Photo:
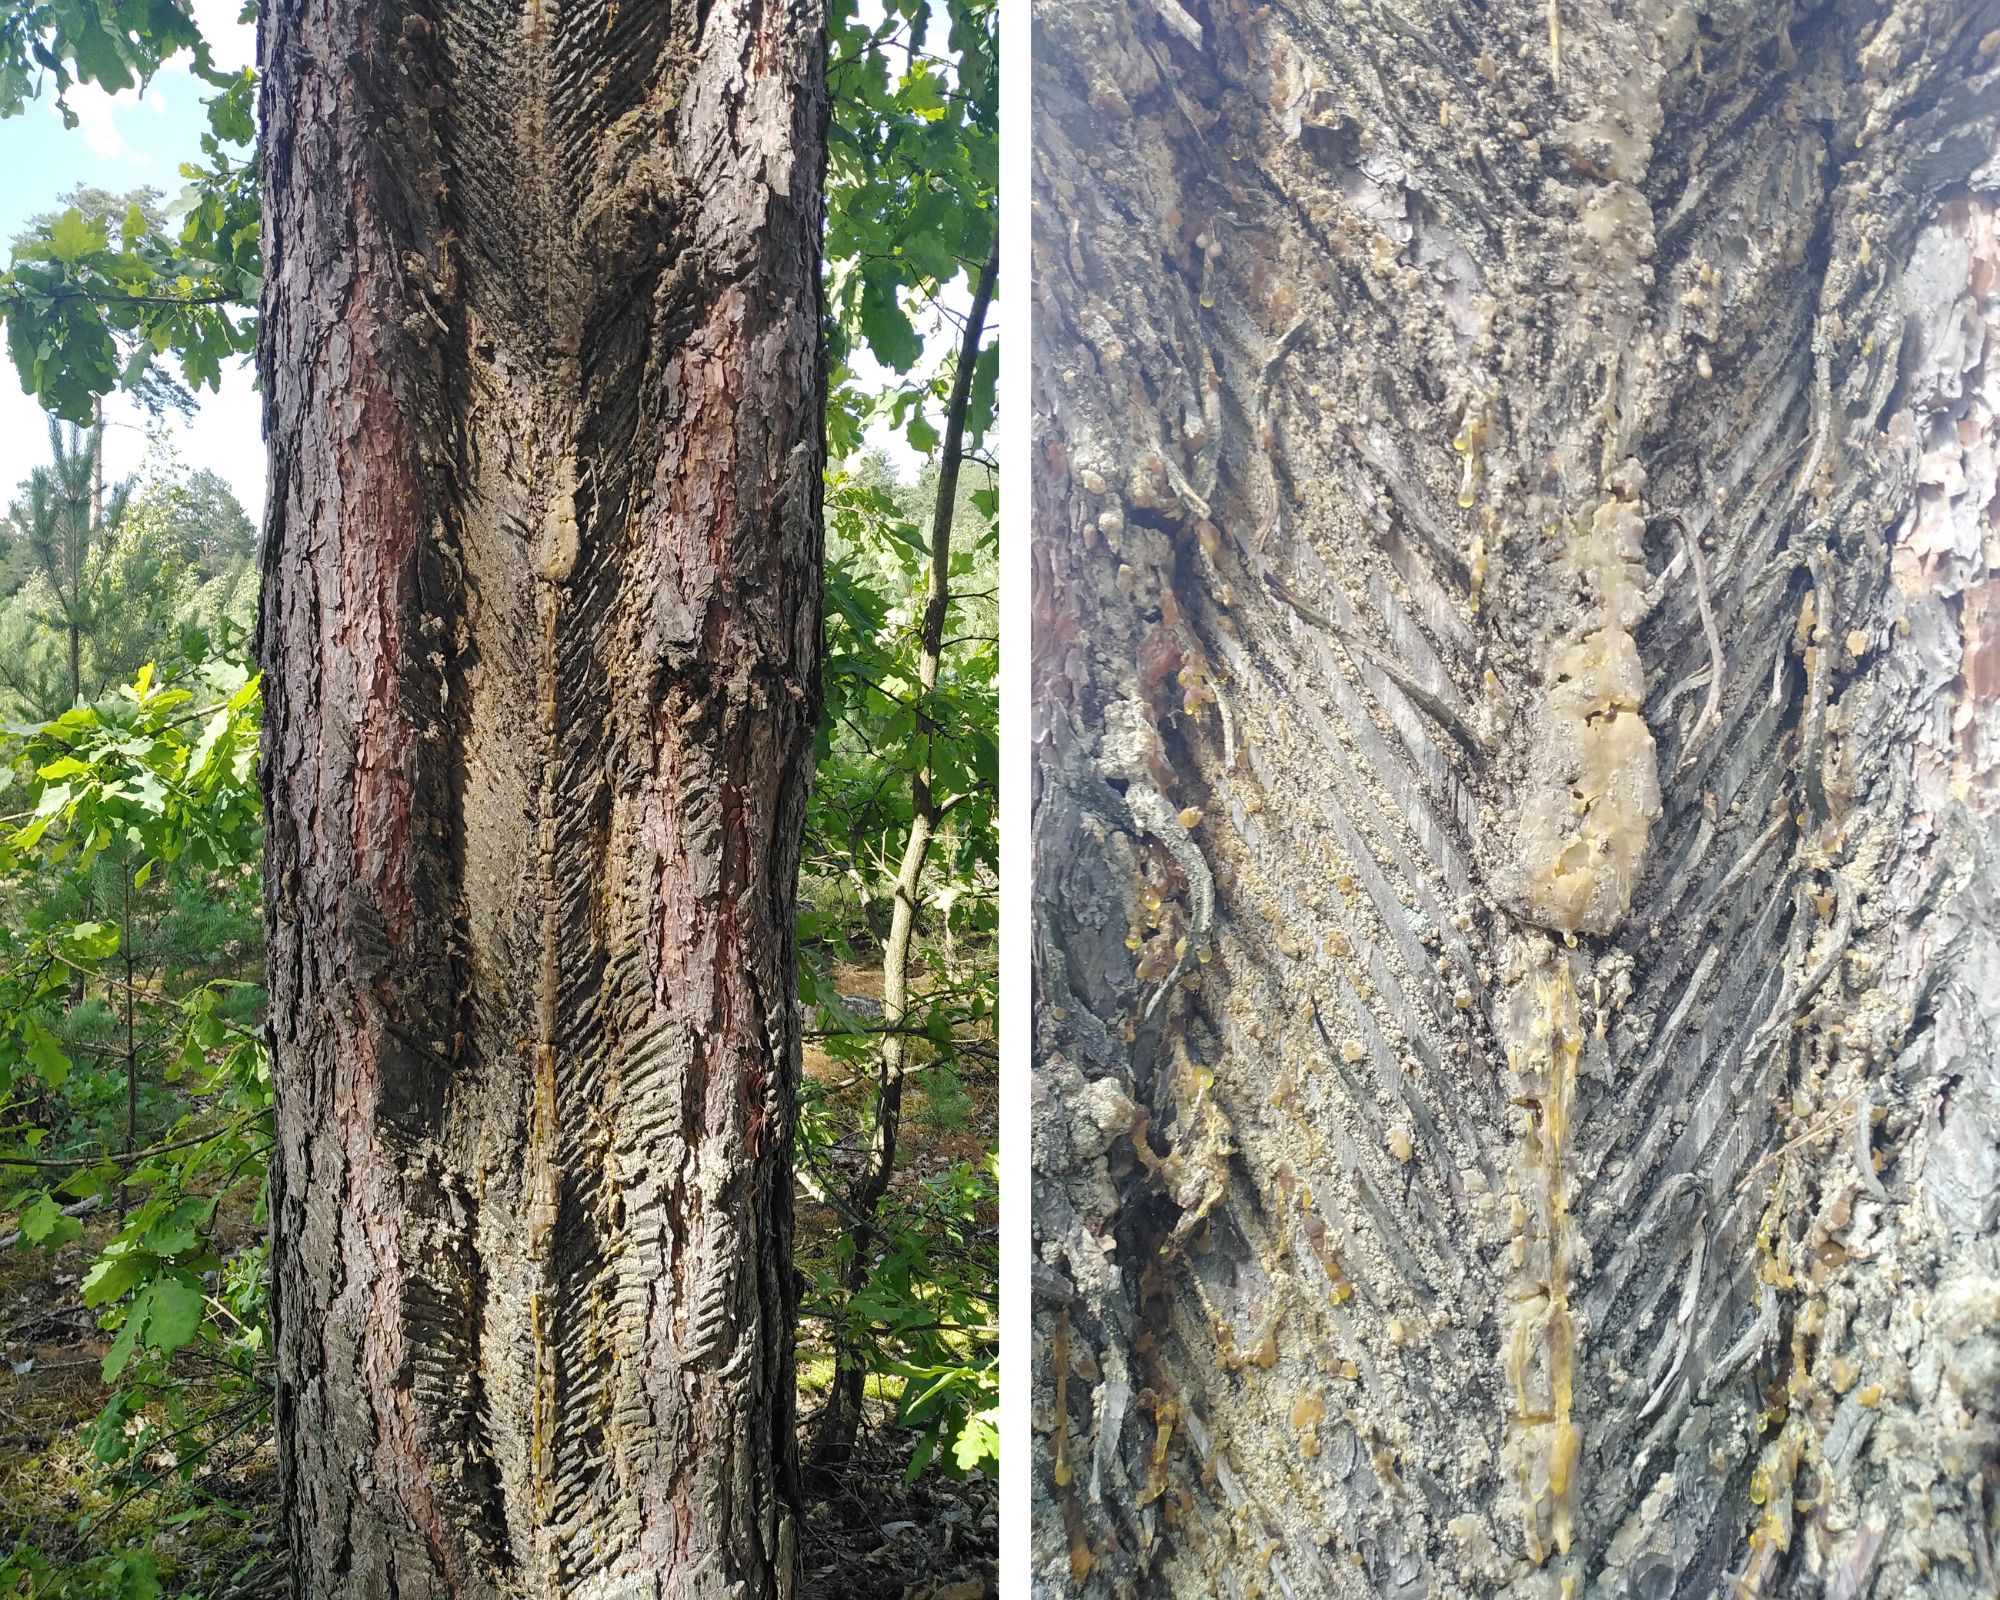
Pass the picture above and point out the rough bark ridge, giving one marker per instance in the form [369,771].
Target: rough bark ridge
[1515,1096]
[540,639]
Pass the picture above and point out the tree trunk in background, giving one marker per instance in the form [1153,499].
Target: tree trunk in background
[1517,669]
[540,638]
[833,1440]
[97,462]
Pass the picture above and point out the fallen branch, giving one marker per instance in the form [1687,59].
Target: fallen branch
[81,1208]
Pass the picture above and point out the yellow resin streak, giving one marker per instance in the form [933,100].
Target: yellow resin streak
[1594,793]
[1539,1330]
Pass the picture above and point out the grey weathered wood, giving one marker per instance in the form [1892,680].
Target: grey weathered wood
[1434,459]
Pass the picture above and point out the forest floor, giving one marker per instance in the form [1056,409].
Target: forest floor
[868,1536]
[871,1536]
[213,1535]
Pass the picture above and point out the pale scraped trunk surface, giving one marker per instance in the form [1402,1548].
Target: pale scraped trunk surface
[1516,586]
[540,635]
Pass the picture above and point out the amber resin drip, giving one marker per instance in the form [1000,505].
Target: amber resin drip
[1594,788]
[1539,1331]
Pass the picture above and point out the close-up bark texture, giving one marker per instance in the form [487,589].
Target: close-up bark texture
[542,376]
[1517,708]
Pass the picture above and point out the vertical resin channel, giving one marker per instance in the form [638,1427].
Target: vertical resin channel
[1539,1330]
[1595,789]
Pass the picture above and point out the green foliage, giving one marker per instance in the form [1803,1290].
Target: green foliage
[91,300]
[129,1575]
[880,726]
[196,519]
[928,1313]
[133,1070]
[58,538]
[114,44]
[925,1316]
[205,546]
[911,207]
[97,292]
[912,202]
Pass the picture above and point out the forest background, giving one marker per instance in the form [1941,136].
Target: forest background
[134,1079]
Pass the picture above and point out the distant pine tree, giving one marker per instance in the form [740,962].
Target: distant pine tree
[95,581]
[60,533]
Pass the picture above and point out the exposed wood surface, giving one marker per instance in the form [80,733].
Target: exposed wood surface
[1515,1094]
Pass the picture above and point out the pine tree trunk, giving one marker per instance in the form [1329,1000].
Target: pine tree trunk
[1518,987]
[540,638]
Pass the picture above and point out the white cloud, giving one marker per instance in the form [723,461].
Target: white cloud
[234,43]
[224,436]
[97,122]
[227,436]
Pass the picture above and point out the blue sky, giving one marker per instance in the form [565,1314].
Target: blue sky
[122,144]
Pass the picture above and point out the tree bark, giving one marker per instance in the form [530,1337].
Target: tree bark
[542,375]
[1515,1098]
